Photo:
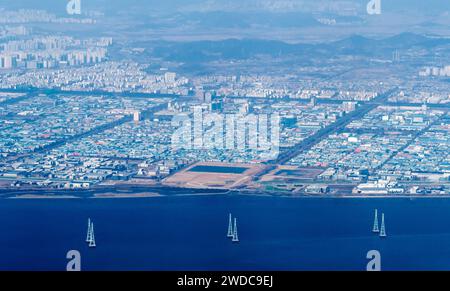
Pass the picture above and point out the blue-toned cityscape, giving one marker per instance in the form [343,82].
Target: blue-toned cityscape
[285,135]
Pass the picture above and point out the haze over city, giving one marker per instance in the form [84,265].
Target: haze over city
[236,113]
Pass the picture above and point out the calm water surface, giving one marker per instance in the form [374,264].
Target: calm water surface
[189,233]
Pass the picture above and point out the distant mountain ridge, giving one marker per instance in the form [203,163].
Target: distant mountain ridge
[201,51]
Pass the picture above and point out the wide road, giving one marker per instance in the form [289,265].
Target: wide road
[145,114]
[37,91]
[18,99]
[412,140]
[340,124]
[437,106]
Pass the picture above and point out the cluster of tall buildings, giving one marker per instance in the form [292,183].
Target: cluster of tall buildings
[37,16]
[52,52]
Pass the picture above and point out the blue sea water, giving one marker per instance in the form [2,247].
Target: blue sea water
[189,233]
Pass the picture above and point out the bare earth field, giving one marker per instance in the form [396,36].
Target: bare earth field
[196,179]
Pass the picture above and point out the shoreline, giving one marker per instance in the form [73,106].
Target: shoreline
[123,195]
[130,191]
[112,195]
[34,196]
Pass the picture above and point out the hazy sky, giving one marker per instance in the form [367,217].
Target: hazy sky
[288,20]
[167,6]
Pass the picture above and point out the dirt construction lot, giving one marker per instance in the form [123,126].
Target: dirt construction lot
[214,175]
